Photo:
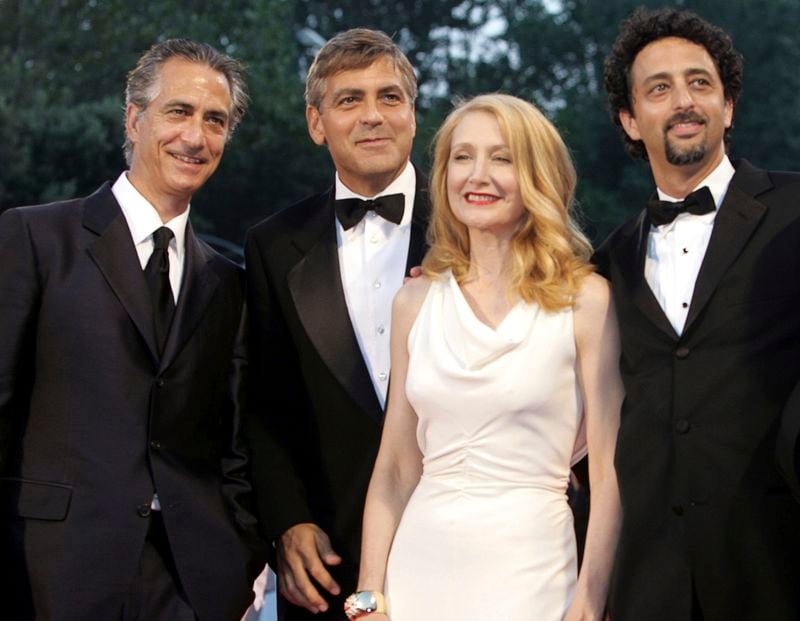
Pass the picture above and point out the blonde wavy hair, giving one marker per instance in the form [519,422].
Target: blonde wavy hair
[550,253]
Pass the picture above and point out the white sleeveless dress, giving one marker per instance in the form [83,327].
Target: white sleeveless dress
[487,534]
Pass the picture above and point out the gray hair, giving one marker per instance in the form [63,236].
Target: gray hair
[139,87]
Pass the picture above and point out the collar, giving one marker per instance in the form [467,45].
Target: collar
[405,183]
[717,181]
[142,217]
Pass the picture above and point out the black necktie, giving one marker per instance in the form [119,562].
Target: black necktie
[350,211]
[156,273]
[663,212]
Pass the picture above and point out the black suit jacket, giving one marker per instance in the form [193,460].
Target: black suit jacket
[704,504]
[93,421]
[316,419]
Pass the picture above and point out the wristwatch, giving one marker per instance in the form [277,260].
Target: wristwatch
[364,602]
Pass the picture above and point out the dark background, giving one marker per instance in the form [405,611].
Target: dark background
[63,66]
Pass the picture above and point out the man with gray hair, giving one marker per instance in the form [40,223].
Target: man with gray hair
[121,477]
[321,278]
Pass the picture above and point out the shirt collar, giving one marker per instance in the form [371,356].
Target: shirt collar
[405,183]
[142,217]
[717,181]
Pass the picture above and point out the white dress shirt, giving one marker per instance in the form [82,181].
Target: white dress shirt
[143,220]
[675,251]
[372,262]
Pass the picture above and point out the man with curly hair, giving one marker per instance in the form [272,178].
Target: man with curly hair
[711,339]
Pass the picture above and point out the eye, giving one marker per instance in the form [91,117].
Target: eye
[392,98]
[348,100]
[216,120]
[460,157]
[176,112]
[503,159]
[661,87]
[701,82]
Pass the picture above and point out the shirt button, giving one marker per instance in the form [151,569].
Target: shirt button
[382,376]
[143,510]
[374,239]
[377,284]
[685,251]
[381,330]
[684,305]
[682,425]
[682,352]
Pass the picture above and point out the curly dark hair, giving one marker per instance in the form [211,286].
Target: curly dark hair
[645,26]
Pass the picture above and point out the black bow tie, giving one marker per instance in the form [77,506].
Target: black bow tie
[350,211]
[663,212]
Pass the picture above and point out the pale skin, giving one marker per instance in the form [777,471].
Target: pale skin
[488,199]
[673,79]
[367,121]
[179,138]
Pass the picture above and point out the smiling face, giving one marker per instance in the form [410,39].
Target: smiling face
[679,107]
[367,120]
[179,138]
[482,187]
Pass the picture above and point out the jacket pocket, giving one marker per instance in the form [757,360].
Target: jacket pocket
[28,498]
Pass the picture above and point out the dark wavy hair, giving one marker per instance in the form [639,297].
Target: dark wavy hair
[645,26]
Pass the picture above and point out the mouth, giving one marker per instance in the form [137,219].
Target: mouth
[475,198]
[187,159]
[685,124]
[377,141]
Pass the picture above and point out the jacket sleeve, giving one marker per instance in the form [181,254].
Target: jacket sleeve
[276,411]
[19,302]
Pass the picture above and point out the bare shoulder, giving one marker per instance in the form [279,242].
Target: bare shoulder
[409,298]
[594,295]
[594,308]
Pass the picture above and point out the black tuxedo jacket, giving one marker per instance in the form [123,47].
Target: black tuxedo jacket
[316,420]
[704,504]
[93,421]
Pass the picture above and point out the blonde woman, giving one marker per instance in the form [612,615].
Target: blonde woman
[504,372]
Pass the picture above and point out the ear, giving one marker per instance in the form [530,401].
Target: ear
[132,118]
[728,113]
[413,120]
[628,122]
[315,127]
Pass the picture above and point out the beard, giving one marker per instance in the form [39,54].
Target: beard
[678,156]
[683,156]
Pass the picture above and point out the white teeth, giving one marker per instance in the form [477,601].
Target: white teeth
[481,198]
[187,159]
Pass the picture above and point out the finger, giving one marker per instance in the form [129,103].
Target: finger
[295,583]
[301,563]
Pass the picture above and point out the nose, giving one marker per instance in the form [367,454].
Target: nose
[192,134]
[480,170]
[682,97]
[372,114]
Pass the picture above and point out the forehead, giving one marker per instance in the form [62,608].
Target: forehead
[671,55]
[478,127]
[183,79]
[381,74]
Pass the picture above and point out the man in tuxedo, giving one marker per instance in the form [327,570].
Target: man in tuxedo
[321,276]
[704,284]
[121,478]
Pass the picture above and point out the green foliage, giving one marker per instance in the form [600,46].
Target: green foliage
[63,66]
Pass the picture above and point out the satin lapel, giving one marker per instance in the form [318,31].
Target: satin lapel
[115,255]
[315,285]
[630,256]
[197,287]
[735,223]
[418,245]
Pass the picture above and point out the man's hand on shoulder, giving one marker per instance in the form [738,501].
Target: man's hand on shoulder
[303,552]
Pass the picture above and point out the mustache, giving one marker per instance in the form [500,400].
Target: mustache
[684,117]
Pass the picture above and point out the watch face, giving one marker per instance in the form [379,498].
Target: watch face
[366,601]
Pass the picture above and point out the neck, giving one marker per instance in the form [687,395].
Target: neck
[167,206]
[371,185]
[489,258]
[678,181]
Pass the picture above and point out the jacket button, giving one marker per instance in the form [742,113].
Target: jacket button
[682,352]
[155,445]
[160,382]
[143,510]
[677,509]
[682,425]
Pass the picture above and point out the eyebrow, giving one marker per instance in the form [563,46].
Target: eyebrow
[349,92]
[183,105]
[664,75]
